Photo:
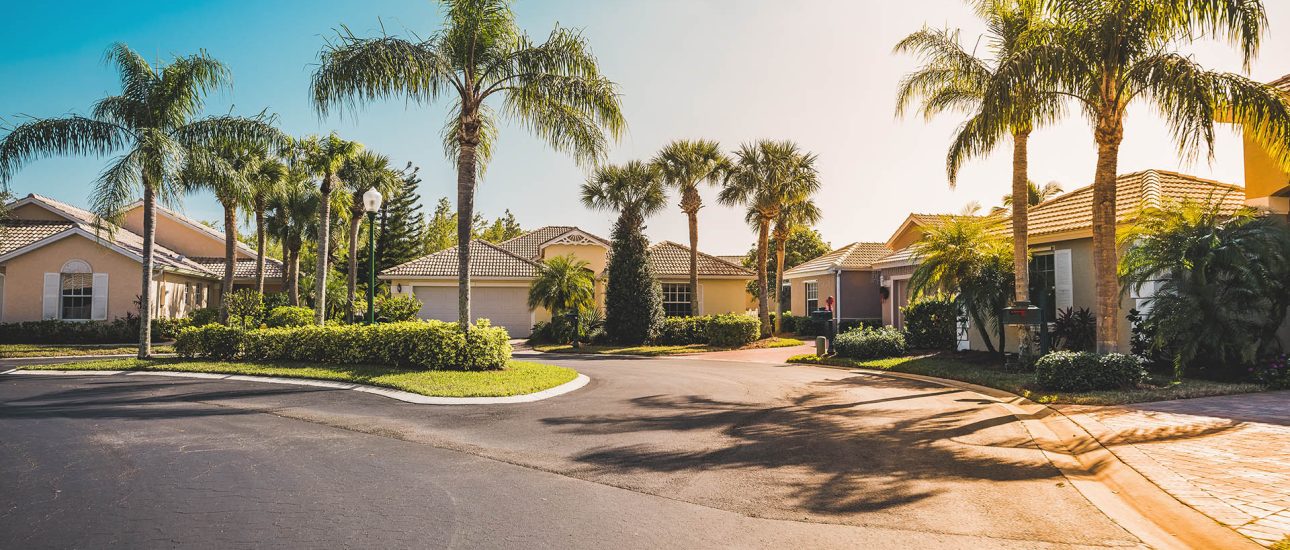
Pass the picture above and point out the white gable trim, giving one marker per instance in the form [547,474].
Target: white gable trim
[97,240]
[576,237]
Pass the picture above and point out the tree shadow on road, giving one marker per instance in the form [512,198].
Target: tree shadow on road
[114,397]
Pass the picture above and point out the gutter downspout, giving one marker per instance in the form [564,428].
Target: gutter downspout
[837,300]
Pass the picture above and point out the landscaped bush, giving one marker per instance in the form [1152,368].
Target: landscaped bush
[931,324]
[394,309]
[807,326]
[166,328]
[289,316]
[680,331]
[789,324]
[871,343]
[1275,373]
[122,330]
[1085,371]
[732,330]
[203,316]
[1074,329]
[245,308]
[431,345]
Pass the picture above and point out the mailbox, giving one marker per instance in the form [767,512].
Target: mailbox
[1022,313]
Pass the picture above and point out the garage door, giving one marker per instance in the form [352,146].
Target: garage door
[503,306]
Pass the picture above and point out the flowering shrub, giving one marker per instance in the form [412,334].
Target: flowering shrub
[1274,374]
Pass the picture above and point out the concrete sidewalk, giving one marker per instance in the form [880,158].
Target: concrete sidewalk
[1227,457]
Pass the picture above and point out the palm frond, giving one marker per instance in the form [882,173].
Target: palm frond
[58,136]
[354,70]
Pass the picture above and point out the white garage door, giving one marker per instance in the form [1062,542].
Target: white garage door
[503,306]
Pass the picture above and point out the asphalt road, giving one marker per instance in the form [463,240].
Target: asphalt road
[652,453]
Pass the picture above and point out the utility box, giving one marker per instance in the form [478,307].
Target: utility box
[1022,313]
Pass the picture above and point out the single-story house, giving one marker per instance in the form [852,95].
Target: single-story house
[86,271]
[847,274]
[896,268]
[501,274]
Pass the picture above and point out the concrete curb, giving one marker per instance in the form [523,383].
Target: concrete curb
[1122,493]
[400,395]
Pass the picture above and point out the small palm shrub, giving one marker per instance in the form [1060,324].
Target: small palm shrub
[1085,371]
[289,316]
[871,343]
[394,309]
[931,323]
[1075,329]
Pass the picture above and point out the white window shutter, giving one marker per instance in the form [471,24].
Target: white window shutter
[700,297]
[99,301]
[1142,296]
[49,308]
[1062,280]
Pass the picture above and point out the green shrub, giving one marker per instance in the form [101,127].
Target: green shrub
[1074,329]
[394,309]
[871,343]
[807,326]
[789,324]
[122,330]
[1085,371]
[203,316]
[245,308]
[932,324]
[732,330]
[682,331]
[289,316]
[431,345]
[167,328]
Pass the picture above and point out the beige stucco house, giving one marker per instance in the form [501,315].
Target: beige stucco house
[501,274]
[848,275]
[56,262]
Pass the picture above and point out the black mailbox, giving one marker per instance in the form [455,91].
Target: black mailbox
[1022,313]
[822,314]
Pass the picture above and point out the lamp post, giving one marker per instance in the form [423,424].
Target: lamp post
[371,203]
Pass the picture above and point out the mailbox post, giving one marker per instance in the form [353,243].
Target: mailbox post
[827,316]
[1023,313]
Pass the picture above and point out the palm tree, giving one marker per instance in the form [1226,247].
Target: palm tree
[364,171]
[324,158]
[564,285]
[953,78]
[1036,194]
[292,211]
[795,215]
[635,190]
[222,170]
[1109,54]
[964,255]
[766,177]
[266,178]
[154,121]
[553,88]
[685,165]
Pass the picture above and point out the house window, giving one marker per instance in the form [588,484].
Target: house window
[812,292]
[676,299]
[786,296]
[77,296]
[1043,287]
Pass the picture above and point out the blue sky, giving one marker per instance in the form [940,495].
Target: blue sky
[819,72]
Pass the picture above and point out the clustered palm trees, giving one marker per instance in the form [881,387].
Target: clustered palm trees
[1103,56]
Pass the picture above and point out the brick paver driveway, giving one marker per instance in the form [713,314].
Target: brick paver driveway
[1228,457]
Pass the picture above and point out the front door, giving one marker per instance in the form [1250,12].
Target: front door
[899,299]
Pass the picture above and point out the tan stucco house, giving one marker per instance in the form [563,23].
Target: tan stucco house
[847,274]
[501,274]
[56,262]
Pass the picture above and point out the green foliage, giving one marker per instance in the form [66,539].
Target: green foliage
[634,298]
[965,256]
[117,331]
[394,309]
[502,229]
[400,236]
[1075,329]
[431,345]
[289,316]
[203,316]
[164,329]
[732,330]
[1275,374]
[682,331]
[871,343]
[245,308]
[803,244]
[1086,371]
[564,284]
[932,323]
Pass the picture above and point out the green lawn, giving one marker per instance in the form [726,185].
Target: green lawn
[662,350]
[1022,383]
[63,350]
[518,378]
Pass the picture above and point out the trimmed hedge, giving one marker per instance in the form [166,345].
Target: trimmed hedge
[871,343]
[930,324]
[680,331]
[122,330]
[732,330]
[289,316]
[394,309]
[430,345]
[1086,371]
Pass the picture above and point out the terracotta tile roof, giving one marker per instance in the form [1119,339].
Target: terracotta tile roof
[208,230]
[857,256]
[737,259]
[529,245]
[902,256]
[243,269]
[669,259]
[1073,211]
[15,234]
[486,260]
[1282,83]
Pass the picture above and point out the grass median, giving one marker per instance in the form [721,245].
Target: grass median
[985,373]
[662,350]
[10,351]
[518,378]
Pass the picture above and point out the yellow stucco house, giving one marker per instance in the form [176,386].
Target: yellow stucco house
[501,274]
[57,263]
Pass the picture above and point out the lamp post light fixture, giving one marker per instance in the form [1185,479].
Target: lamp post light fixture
[371,203]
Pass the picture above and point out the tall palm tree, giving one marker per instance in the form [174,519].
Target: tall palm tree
[766,177]
[1110,54]
[153,122]
[685,165]
[553,88]
[364,171]
[635,190]
[266,177]
[953,78]
[324,158]
[222,170]
[1036,194]
[292,211]
[794,215]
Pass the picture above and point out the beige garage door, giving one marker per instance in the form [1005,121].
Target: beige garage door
[503,306]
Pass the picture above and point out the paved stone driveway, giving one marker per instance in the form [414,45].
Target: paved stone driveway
[1228,457]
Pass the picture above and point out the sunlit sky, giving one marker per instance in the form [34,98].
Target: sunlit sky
[819,72]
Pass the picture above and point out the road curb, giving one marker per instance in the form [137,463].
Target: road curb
[1122,493]
[400,395]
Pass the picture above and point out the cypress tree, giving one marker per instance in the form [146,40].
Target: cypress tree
[634,298]
[399,238]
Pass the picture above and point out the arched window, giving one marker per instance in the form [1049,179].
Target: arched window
[77,290]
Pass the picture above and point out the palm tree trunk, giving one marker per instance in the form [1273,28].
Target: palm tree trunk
[763,305]
[465,215]
[1020,208]
[294,277]
[779,285]
[230,261]
[694,261]
[355,223]
[324,231]
[1109,133]
[261,243]
[145,297]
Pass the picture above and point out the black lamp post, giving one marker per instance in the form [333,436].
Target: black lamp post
[371,203]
